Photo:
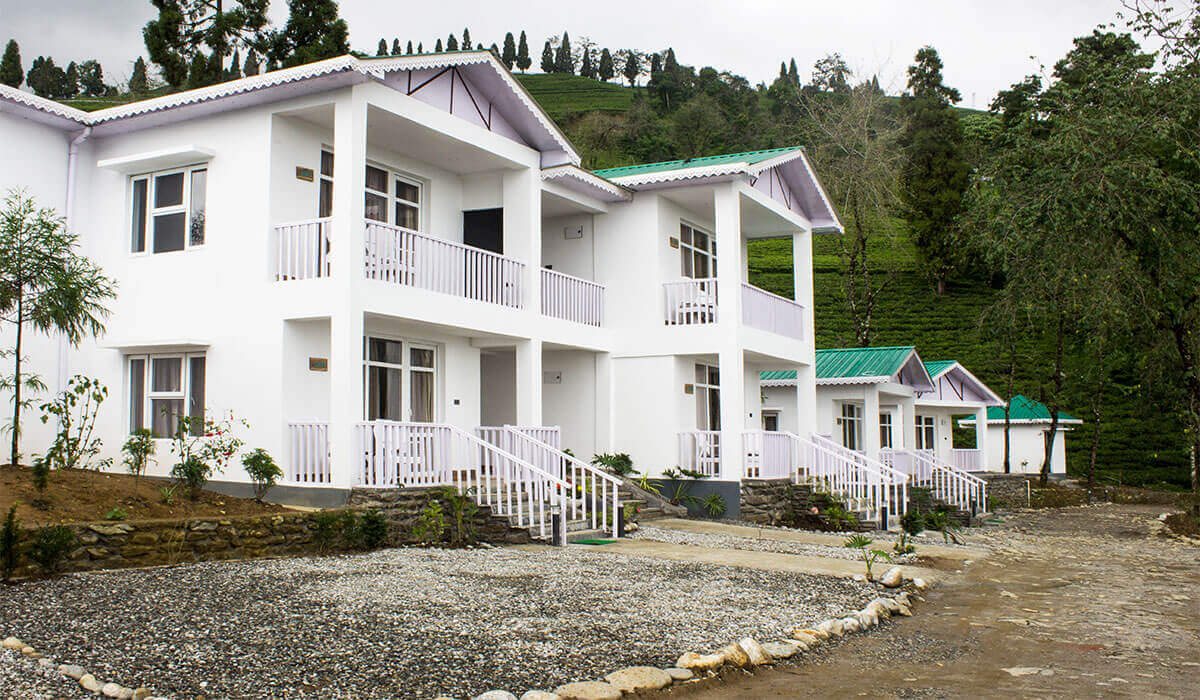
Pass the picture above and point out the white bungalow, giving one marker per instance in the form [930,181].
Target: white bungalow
[1029,426]
[955,392]
[380,263]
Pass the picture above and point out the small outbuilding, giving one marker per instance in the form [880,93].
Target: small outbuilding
[1029,427]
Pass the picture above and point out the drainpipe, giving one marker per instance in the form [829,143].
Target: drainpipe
[72,160]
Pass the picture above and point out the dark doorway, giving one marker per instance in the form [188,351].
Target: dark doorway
[484,228]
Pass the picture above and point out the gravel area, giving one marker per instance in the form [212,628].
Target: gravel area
[927,537]
[23,677]
[406,622]
[696,539]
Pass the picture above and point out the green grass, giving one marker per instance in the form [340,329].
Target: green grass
[565,95]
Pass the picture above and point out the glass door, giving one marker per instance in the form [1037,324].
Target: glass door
[400,381]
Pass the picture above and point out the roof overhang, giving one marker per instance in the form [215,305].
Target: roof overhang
[39,109]
[157,160]
[991,397]
[579,180]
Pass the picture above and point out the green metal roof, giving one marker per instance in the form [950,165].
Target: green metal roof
[1023,408]
[848,363]
[778,375]
[749,157]
[936,367]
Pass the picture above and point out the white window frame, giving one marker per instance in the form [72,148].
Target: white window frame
[703,392]
[406,370]
[184,207]
[886,436]
[322,178]
[926,441]
[770,414]
[149,395]
[851,420]
[394,174]
[690,250]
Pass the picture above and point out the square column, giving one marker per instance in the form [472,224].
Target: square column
[522,200]
[981,440]
[732,366]
[346,320]
[604,402]
[907,429]
[529,382]
[727,217]
[870,424]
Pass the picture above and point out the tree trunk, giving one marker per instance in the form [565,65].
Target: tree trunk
[1012,371]
[1097,403]
[16,425]
[1052,405]
[941,286]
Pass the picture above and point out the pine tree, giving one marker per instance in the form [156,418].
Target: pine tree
[606,69]
[655,64]
[235,66]
[313,32]
[633,67]
[11,72]
[466,44]
[72,84]
[564,62]
[783,70]
[382,50]
[185,28]
[409,50]
[586,69]
[523,59]
[438,47]
[396,46]
[547,58]
[46,79]
[197,72]
[793,74]
[452,43]
[91,78]
[495,50]
[420,47]
[509,55]
[137,82]
[250,67]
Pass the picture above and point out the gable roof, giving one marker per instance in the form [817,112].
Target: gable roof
[1023,409]
[543,133]
[939,368]
[858,366]
[671,166]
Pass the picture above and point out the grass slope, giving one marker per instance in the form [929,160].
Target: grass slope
[563,96]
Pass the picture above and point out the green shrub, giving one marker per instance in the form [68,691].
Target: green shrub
[41,473]
[714,504]
[75,410]
[372,526]
[10,552]
[138,449]
[939,521]
[326,526]
[263,471]
[50,544]
[430,527]
[192,474]
[620,464]
[351,534]
[462,510]
[117,513]
[839,519]
[166,494]
[861,542]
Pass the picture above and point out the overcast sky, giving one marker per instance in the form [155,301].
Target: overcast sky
[986,44]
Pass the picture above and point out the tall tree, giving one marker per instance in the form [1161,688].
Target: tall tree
[793,73]
[831,74]
[547,58]
[586,68]
[564,61]
[235,66]
[437,48]
[408,49]
[11,72]
[138,83]
[396,46]
[210,28]
[466,42]
[72,83]
[452,43]
[523,59]
[91,78]
[509,55]
[46,286]
[606,70]
[935,172]
[313,32]
[46,79]
[250,67]
[632,67]
[383,48]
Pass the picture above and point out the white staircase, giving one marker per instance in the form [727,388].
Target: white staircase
[954,486]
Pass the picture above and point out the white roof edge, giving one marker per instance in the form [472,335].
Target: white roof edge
[996,400]
[1023,421]
[880,379]
[42,104]
[837,222]
[567,170]
[734,168]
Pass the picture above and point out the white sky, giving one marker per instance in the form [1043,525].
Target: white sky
[986,44]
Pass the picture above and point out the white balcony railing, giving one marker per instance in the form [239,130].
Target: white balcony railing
[691,302]
[968,460]
[572,298]
[413,259]
[302,250]
[308,448]
[771,312]
[700,451]
[770,454]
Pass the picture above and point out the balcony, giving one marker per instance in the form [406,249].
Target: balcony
[572,298]
[695,302]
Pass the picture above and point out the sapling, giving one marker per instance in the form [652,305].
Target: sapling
[861,542]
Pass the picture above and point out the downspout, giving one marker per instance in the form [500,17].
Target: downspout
[72,161]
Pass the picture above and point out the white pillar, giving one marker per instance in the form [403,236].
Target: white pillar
[522,200]
[733,412]
[870,424]
[727,217]
[802,282]
[529,382]
[604,402]
[346,321]
[981,440]
[908,423]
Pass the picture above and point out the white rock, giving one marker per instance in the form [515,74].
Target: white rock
[904,611]
[919,584]
[832,628]
[811,632]
[142,694]
[860,578]
[496,695]
[111,690]
[676,674]
[28,650]
[538,695]
[638,678]
[733,654]
[71,671]
[1022,671]
[866,619]
[754,651]
[44,661]
[781,650]
[700,662]
[12,643]
[850,624]
[892,578]
[588,690]
[878,608]
[125,694]
[89,682]
[889,604]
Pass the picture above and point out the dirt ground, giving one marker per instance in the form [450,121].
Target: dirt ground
[1076,602]
[82,495]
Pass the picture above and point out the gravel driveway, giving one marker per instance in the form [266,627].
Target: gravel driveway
[405,622]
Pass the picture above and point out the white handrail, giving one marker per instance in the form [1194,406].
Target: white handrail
[855,476]
[402,256]
[691,302]
[593,490]
[700,451]
[769,454]
[302,250]
[772,313]
[572,298]
[957,488]
[308,459]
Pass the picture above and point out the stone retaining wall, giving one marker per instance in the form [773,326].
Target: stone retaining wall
[780,502]
[404,506]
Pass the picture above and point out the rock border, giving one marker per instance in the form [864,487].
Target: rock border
[745,654]
[86,680]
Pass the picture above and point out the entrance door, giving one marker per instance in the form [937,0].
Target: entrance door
[484,228]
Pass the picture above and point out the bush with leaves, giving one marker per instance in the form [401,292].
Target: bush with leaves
[117,513]
[351,534]
[10,550]
[41,474]
[430,527]
[372,526]
[166,494]
[644,483]
[682,481]
[263,472]
[326,527]
[138,449]
[713,504]
[620,463]
[75,410]
[939,521]
[839,519]
[861,542]
[49,545]
[912,524]
[462,509]
[203,446]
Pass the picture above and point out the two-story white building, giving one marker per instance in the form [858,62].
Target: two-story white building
[380,262]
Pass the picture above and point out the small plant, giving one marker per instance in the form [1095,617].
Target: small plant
[41,479]
[682,481]
[10,552]
[117,513]
[263,472]
[620,464]
[138,449]
[192,474]
[76,410]
[431,524]
[326,526]
[462,509]
[648,486]
[629,511]
[372,526]
[166,494]
[912,524]
[50,544]
[351,534]
[861,542]
[839,519]
[939,521]
[203,446]
[714,504]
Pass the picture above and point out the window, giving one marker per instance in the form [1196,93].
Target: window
[162,388]
[851,423]
[168,210]
[885,430]
[325,186]
[708,398]
[925,432]
[770,420]
[697,253]
[392,198]
[391,367]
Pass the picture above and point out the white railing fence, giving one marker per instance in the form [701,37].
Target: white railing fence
[867,483]
[691,302]
[967,459]
[957,488]
[426,454]
[505,437]
[770,454]
[308,453]
[403,256]
[700,451]
[772,313]
[572,298]
[302,250]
